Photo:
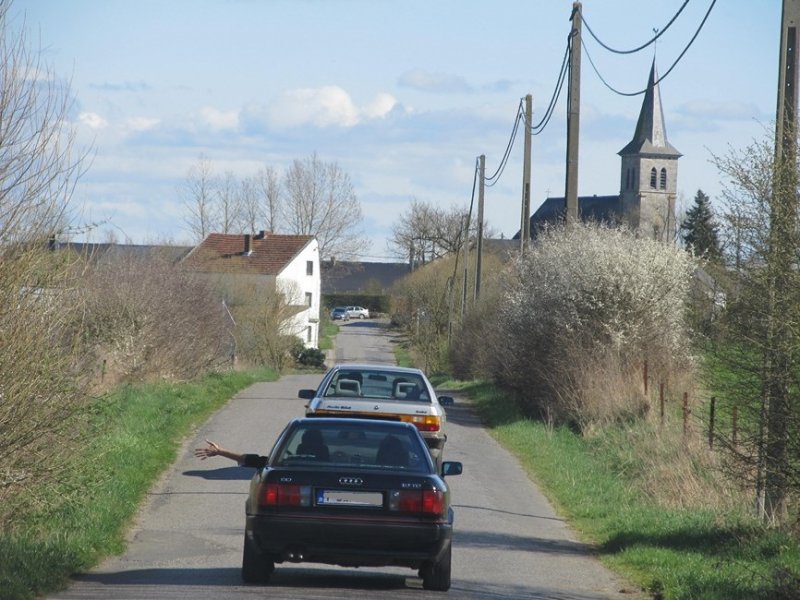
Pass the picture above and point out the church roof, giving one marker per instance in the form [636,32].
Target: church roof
[650,136]
[599,209]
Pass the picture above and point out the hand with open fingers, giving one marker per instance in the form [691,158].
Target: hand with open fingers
[212,449]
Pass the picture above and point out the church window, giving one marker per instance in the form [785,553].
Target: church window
[653,176]
[663,182]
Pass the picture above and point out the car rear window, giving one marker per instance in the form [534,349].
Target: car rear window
[363,445]
[378,385]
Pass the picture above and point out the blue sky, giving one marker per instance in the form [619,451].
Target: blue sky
[402,95]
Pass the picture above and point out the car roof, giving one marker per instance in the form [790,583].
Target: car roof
[376,367]
[361,423]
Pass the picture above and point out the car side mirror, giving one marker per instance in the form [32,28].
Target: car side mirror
[306,394]
[446,400]
[451,467]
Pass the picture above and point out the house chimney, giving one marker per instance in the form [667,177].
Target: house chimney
[248,250]
[261,235]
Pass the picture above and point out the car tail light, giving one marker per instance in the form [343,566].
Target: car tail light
[426,423]
[279,494]
[427,502]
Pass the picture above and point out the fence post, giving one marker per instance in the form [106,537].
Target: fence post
[711,423]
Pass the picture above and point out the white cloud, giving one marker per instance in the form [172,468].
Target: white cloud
[380,106]
[327,106]
[92,120]
[218,119]
[142,123]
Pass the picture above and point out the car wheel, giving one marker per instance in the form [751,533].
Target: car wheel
[255,567]
[436,575]
[361,317]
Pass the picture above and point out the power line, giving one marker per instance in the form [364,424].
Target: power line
[662,77]
[504,161]
[540,126]
[643,46]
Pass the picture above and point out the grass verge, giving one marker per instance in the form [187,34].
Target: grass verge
[70,522]
[671,552]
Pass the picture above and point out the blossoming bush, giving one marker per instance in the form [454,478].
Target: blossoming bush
[582,311]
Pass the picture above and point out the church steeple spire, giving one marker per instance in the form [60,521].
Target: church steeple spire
[649,173]
[650,137]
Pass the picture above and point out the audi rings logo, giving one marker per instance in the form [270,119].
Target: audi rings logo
[351,481]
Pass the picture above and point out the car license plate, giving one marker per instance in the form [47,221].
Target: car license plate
[347,498]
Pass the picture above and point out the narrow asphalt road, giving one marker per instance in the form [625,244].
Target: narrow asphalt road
[186,543]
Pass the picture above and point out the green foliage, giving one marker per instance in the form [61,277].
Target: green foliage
[700,232]
[67,524]
[311,357]
[701,551]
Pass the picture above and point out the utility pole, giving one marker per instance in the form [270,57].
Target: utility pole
[466,268]
[786,118]
[525,230]
[479,245]
[573,114]
[774,448]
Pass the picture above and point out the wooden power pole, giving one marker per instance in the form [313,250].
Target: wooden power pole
[573,114]
[479,242]
[786,118]
[526,177]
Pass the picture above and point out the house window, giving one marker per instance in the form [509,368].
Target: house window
[308,298]
[653,176]
[309,267]
[663,182]
[308,334]
[628,179]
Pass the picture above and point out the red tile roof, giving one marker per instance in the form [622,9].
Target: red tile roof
[224,252]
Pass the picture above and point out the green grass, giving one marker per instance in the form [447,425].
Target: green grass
[70,522]
[327,333]
[672,553]
[402,354]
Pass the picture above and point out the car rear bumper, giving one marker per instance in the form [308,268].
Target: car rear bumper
[347,542]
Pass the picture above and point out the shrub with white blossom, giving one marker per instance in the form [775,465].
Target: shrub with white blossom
[583,310]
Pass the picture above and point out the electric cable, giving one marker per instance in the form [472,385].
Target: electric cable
[662,77]
[540,126]
[496,176]
[643,46]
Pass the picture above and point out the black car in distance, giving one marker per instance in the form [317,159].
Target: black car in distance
[350,492]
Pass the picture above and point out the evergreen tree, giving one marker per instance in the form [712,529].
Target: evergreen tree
[699,229]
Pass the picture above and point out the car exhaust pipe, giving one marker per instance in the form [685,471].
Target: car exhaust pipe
[294,556]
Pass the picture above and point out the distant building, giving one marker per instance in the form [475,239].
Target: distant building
[648,181]
[342,277]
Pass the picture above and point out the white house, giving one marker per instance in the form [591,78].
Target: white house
[289,262]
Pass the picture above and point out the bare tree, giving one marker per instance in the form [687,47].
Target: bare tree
[229,208]
[249,205]
[42,366]
[320,201]
[268,186]
[38,164]
[425,232]
[198,199]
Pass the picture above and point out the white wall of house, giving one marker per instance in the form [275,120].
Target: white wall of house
[300,281]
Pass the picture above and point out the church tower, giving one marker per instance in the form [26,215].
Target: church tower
[649,176]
